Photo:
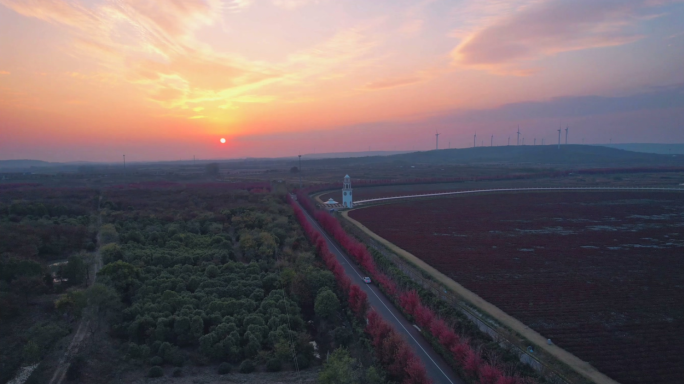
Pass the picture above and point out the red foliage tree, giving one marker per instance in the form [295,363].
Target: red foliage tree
[472,363]
[460,352]
[409,301]
[415,373]
[393,353]
[358,301]
[423,316]
[489,374]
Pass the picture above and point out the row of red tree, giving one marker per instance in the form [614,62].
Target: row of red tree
[467,357]
[255,187]
[391,350]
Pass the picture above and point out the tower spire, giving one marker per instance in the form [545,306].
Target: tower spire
[347,192]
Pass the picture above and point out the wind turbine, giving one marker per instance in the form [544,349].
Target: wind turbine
[535,141]
[475,140]
[509,140]
[436,141]
[491,141]
[566,135]
[518,143]
[559,130]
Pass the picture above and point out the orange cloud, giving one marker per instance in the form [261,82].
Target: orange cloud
[4,73]
[547,28]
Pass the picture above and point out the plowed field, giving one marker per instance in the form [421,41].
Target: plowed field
[599,273]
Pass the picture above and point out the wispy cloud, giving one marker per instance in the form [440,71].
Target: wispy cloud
[507,43]
[4,72]
[151,43]
[66,12]
[419,76]
[292,4]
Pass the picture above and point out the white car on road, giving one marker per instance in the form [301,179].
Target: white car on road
[367,280]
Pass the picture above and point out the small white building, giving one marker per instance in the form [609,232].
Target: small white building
[347,193]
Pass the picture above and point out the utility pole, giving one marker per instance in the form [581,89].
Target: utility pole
[300,171]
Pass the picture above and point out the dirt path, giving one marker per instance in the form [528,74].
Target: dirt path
[81,331]
[571,360]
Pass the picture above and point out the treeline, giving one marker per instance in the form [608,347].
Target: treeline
[38,227]
[475,362]
[515,176]
[45,225]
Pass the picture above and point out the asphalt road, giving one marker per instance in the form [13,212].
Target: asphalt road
[437,369]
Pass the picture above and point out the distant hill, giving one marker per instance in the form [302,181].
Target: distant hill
[663,149]
[567,155]
[22,164]
[338,155]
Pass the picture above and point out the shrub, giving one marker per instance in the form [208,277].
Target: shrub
[177,372]
[74,371]
[274,365]
[156,360]
[32,352]
[155,371]
[247,366]
[303,362]
[224,368]
[343,336]
[326,304]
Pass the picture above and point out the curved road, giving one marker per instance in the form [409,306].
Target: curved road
[361,202]
[437,369]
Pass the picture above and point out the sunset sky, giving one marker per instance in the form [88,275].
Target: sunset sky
[166,79]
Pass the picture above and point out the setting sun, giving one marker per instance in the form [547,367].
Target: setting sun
[223,141]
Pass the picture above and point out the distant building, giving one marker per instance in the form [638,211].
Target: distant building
[347,193]
[331,202]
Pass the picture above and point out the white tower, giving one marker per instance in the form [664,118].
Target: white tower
[347,193]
